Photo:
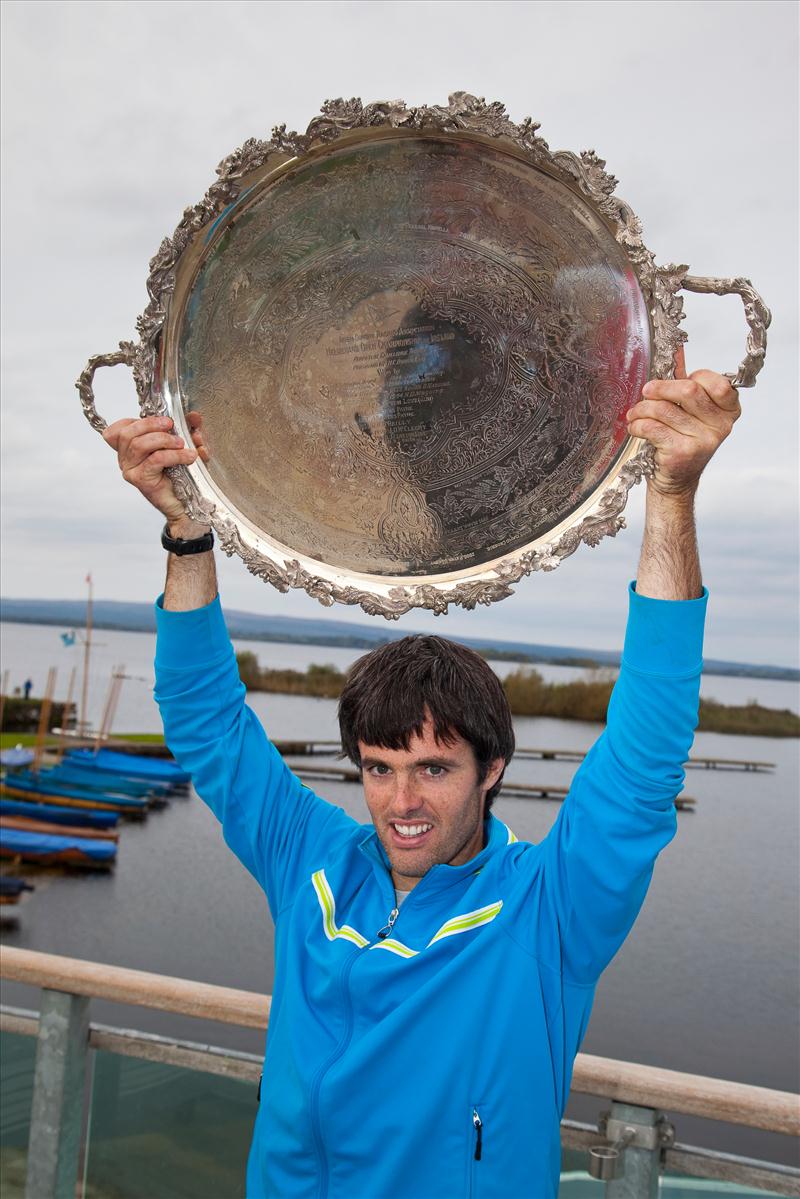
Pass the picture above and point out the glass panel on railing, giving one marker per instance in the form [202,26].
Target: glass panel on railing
[17,1059]
[575,1180]
[576,1183]
[166,1132]
[681,1186]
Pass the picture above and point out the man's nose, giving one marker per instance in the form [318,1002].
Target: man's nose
[407,797]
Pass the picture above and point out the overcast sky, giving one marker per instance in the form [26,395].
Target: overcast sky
[115,115]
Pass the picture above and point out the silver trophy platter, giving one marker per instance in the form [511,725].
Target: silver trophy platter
[410,336]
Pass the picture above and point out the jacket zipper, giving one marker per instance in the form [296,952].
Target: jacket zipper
[384,932]
[322,1189]
[338,1052]
[478,1126]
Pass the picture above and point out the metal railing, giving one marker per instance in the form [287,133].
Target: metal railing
[633,1143]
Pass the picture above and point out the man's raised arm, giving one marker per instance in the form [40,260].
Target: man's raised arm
[145,448]
[686,420]
[620,812]
[270,820]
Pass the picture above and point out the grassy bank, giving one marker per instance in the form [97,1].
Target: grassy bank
[28,740]
[529,695]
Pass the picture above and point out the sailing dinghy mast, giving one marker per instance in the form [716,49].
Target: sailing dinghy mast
[83,727]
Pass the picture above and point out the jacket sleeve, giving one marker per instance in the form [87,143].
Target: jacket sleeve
[273,824]
[620,813]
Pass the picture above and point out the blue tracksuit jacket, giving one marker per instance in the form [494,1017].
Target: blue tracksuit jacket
[435,1063]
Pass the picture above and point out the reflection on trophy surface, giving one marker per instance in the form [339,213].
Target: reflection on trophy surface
[424,377]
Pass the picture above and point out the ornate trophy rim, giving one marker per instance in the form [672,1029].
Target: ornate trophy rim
[348,120]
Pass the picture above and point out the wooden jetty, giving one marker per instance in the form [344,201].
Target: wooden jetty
[313,748]
[348,774]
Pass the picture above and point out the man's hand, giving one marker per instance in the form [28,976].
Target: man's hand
[686,419]
[145,448]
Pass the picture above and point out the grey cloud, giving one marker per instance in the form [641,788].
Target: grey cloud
[120,113]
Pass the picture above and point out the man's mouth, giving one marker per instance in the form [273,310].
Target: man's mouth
[410,835]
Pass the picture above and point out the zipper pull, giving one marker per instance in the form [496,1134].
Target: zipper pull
[387,928]
[478,1123]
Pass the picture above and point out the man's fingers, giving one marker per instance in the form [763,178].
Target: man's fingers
[669,414]
[112,433]
[142,446]
[692,397]
[123,432]
[701,425]
[721,390]
[148,473]
[678,403]
[654,431]
[701,389]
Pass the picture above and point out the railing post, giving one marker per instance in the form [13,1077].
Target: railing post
[641,1159]
[58,1086]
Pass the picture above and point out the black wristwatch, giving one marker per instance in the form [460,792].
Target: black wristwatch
[187,545]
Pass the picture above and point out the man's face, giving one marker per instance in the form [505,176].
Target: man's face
[426,802]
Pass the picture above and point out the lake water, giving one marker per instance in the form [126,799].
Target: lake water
[28,651]
[706,983]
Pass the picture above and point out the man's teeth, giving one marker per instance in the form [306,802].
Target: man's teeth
[412,830]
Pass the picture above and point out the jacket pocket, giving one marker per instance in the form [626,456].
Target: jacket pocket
[477,1147]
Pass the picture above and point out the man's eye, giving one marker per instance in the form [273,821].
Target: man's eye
[435,771]
[379,769]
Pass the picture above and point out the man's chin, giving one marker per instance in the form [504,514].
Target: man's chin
[411,862]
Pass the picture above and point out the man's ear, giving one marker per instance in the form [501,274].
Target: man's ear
[496,768]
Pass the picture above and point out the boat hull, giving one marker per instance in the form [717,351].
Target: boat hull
[58,815]
[47,849]
[134,809]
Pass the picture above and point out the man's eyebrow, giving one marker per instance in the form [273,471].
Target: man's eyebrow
[371,760]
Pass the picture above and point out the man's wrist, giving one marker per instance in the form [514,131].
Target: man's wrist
[185,528]
[680,500]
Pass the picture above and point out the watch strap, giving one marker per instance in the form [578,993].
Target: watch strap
[186,545]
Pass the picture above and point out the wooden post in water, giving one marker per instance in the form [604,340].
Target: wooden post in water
[3,690]
[44,718]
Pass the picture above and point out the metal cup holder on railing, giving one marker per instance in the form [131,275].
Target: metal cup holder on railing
[644,1132]
[607,1162]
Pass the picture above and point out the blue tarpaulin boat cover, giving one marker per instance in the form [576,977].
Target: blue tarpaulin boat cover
[30,782]
[70,771]
[136,767]
[48,845]
[55,815]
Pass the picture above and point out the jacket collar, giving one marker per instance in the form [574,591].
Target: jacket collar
[443,876]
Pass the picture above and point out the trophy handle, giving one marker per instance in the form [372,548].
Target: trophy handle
[125,354]
[757,315]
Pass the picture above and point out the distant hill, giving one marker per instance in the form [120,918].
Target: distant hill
[139,618]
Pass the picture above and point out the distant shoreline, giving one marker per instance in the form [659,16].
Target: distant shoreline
[139,618]
[529,695]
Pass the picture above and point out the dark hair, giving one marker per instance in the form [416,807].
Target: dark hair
[389,692]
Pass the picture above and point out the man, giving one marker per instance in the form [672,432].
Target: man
[434,975]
